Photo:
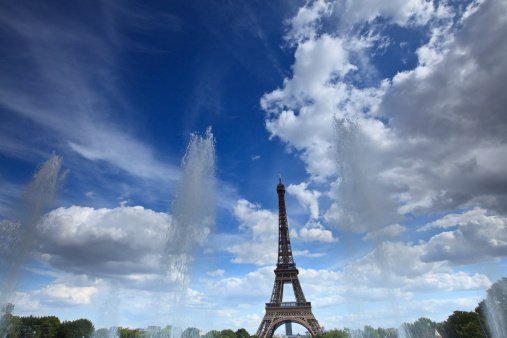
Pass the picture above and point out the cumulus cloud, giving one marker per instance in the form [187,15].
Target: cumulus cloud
[454,132]
[411,12]
[314,231]
[218,272]
[403,144]
[303,25]
[126,244]
[392,230]
[393,267]
[476,215]
[103,242]
[68,295]
[487,236]
[259,283]
[308,199]
[307,253]
[262,225]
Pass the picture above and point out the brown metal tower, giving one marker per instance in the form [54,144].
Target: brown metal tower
[278,312]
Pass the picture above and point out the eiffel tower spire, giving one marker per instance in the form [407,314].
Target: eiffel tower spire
[277,311]
[285,259]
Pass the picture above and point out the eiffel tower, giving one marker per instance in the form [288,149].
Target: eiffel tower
[278,312]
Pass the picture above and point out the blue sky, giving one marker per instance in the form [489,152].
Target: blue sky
[386,119]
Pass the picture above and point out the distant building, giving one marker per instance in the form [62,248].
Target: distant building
[288,329]
[153,328]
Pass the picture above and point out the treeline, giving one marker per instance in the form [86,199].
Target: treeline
[460,324]
[51,327]
[48,326]
[190,332]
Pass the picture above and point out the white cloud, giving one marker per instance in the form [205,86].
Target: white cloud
[487,236]
[301,113]
[69,80]
[69,295]
[308,199]
[216,273]
[401,145]
[392,230]
[262,225]
[231,290]
[103,241]
[476,215]
[250,321]
[396,265]
[447,110]
[412,12]
[439,309]
[125,244]
[307,253]
[258,253]
[304,24]
[314,231]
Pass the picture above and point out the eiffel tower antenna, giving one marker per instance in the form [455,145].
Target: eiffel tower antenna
[277,311]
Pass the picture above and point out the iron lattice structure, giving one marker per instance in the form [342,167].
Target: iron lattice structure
[277,311]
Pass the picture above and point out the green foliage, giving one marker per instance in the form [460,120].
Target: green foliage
[101,333]
[227,333]
[242,333]
[190,332]
[495,305]
[213,334]
[75,329]
[423,327]
[497,293]
[128,333]
[462,324]
[6,319]
[333,334]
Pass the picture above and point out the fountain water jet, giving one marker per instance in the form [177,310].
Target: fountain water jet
[193,217]
[17,234]
[496,309]
[359,192]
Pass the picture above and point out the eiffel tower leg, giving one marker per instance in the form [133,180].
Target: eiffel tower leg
[263,328]
[298,291]
[277,316]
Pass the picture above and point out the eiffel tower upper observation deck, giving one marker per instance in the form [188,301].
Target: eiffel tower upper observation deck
[277,311]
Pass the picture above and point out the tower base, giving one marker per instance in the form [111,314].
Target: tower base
[281,313]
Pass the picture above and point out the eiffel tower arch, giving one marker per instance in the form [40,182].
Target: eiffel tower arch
[278,312]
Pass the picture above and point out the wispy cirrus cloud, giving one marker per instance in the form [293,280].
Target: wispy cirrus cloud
[63,76]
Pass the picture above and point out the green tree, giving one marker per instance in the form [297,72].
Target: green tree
[227,333]
[163,333]
[333,334]
[462,324]
[423,327]
[493,309]
[6,318]
[190,332]
[242,333]
[76,329]
[48,327]
[213,334]
[101,333]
